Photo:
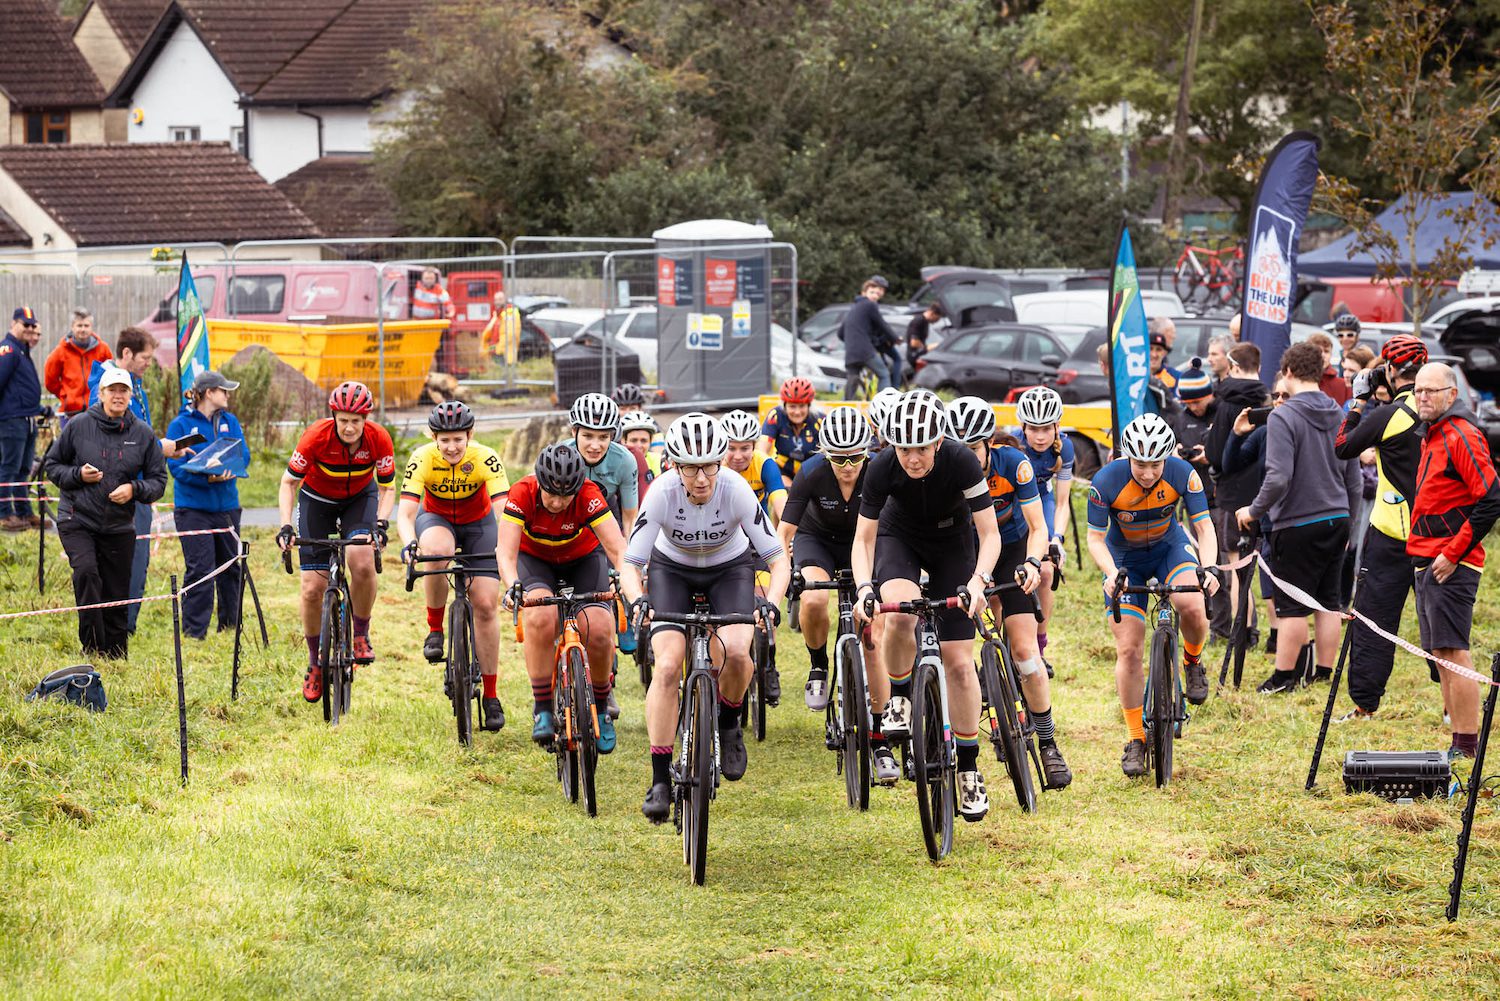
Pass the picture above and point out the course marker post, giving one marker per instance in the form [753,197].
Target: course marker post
[41,540]
[249,579]
[1476,778]
[181,689]
[1333,694]
[239,622]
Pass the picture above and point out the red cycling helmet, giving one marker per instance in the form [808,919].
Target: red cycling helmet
[1403,351]
[351,398]
[797,390]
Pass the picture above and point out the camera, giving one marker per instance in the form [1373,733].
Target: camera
[1258,416]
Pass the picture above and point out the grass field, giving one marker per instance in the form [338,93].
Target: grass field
[381,860]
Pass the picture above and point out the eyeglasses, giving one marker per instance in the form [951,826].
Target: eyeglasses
[29,326]
[1433,392]
[1279,396]
[708,470]
[846,460]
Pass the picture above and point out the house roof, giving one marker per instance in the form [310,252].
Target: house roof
[131,19]
[47,71]
[350,60]
[148,192]
[11,233]
[342,195]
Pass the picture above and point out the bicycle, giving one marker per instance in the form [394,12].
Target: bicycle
[1217,272]
[574,745]
[930,752]
[695,773]
[1164,702]
[763,655]
[335,644]
[461,675]
[846,719]
[1003,706]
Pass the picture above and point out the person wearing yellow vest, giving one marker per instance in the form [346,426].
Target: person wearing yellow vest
[502,335]
[1385,569]
[429,300]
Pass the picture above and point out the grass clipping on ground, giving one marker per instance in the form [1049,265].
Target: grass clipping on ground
[382,860]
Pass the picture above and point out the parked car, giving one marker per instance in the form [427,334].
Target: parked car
[1089,306]
[529,304]
[1474,338]
[821,330]
[1451,310]
[989,360]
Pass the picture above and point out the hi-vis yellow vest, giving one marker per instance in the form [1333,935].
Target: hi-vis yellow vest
[1391,514]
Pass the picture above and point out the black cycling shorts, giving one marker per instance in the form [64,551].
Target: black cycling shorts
[810,550]
[586,574]
[476,537]
[949,563]
[1012,602]
[320,519]
[730,587]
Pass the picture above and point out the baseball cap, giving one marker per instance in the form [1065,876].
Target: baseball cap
[25,314]
[212,380]
[1159,341]
[878,280]
[1194,384]
[115,376]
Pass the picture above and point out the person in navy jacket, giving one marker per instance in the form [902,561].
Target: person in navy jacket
[20,404]
[203,500]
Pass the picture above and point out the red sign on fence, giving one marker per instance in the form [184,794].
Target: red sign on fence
[719,283]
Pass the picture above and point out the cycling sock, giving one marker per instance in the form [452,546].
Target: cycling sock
[1191,651]
[818,657]
[539,706]
[877,736]
[489,685]
[1045,733]
[1041,642]
[968,750]
[729,713]
[435,618]
[313,642]
[901,684]
[601,693]
[541,691]
[361,625]
[1134,725]
[1466,742]
[661,764]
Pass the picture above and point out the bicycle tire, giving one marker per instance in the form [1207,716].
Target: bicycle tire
[935,777]
[1163,702]
[346,649]
[698,733]
[997,681]
[854,722]
[327,648]
[758,707]
[584,729]
[460,680]
[644,660]
[1185,279]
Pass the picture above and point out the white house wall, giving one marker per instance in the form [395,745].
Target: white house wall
[283,140]
[185,87]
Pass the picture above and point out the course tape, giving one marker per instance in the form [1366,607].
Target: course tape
[179,535]
[27,483]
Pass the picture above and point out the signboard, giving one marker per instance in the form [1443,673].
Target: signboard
[751,280]
[705,332]
[666,281]
[739,325]
[719,284]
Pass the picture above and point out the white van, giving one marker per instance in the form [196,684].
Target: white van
[1089,306]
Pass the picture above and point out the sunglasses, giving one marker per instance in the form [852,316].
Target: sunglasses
[1279,396]
[846,460]
[29,326]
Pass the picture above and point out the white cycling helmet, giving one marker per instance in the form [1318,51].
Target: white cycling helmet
[696,439]
[844,429]
[880,406]
[638,420]
[596,412]
[1148,438]
[1039,405]
[971,420]
[740,426]
[917,419]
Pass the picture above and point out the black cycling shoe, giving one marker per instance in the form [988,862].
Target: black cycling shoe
[1195,683]
[658,805]
[1048,665]
[1280,682]
[773,686]
[1133,761]
[432,649]
[494,715]
[1059,775]
[733,757]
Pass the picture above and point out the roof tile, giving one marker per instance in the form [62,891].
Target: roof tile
[132,19]
[46,70]
[343,196]
[351,59]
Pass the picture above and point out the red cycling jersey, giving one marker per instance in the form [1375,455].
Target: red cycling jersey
[333,471]
[556,538]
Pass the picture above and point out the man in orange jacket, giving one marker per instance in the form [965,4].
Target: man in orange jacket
[66,374]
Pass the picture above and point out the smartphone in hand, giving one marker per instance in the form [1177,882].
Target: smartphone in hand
[1258,416]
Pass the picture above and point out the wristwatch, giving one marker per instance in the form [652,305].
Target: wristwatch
[1034,562]
[989,579]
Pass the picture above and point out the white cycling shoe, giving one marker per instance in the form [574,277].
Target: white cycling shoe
[973,799]
[897,720]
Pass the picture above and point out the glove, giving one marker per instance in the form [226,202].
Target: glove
[513,595]
[1055,550]
[640,610]
[382,533]
[1363,387]
[408,553]
[769,613]
[285,536]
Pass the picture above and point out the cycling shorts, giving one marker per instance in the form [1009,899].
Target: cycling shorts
[586,574]
[729,587]
[1166,560]
[473,537]
[814,551]
[949,563]
[321,519]
[1049,511]
[1012,602]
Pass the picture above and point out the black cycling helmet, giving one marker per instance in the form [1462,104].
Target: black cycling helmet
[1346,321]
[629,396]
[560,470]
[453,415]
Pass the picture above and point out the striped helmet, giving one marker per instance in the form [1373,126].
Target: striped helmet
[917,419]
[971,420]
[740,426]
[596,412]
[351,398]
[844,429]
[696,439]
[1039,405]
[638,420]
[1148,438]
[1404,351]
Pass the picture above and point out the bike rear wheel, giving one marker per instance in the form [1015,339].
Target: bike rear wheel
[1163,702]
[762,654]
[698,784]
[932,772]
[997,686]
[329,645]
[855,723]
[1186,281]
[346,653]
[584,729]
[460,676]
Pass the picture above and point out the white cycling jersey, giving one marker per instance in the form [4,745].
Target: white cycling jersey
[701,535]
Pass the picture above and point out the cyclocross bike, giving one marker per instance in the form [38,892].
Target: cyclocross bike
[695,773]
[846,719]
[1164,704]
[335,647]
[1218,273]
[461,680]
[1003,709]
[575,745]
[763,655]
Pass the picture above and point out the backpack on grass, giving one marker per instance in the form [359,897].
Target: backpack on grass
[79,684]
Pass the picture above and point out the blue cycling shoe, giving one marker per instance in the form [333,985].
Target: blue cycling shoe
[542,729]
[606,739]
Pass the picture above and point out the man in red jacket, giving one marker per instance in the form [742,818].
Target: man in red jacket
[66,374]
[1457,502]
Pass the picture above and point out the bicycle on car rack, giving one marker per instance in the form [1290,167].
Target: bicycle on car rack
[335,646]
[461,679]
[1003,709]
[846,718]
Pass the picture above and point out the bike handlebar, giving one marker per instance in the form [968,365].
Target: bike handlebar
[333,545]
[707,619]
[921,606]
[842,581]
[585,598]
[1159,590]
[996,589]
[412,573]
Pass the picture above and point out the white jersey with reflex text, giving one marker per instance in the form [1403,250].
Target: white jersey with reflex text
[701,535]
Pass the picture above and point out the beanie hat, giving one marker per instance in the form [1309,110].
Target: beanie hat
[1194,384]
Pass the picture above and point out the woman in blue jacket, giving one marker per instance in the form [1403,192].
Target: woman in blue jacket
[203,500]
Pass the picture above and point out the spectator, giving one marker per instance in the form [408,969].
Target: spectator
[66,374]
[1163,325]
[503,330]
[203,500]
[1234,327]
[917,332]
[20,405]
[1218,355]
[1346,329]
[1456,503]
[429,300]
[1330,382]
[105,463]
[1102,353]
[1355,361]
[1241,467]
[1309,493]
[867,337]
[1160,347]
[1196,391]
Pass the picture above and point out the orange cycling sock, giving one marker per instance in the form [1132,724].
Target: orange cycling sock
[1133,724]
[489,685]
[1192,651]
[435,618]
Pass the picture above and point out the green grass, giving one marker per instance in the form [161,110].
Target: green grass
[381,860]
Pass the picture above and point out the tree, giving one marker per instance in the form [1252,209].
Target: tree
[1423,129]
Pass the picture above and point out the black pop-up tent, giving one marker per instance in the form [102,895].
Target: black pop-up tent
[1333,261]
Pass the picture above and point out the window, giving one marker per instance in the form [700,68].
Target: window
[167,311]
[47,127]
[236,139]
[963,345]
[998,344]
[256,294]
[185,133]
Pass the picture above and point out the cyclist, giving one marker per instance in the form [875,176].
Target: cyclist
[701,532]
[822,512]
[876,413]
[341,479]
[1051,455]
[1018,510]
[791,429]
[628,396]
[758,470]
[557,527]
[922,504]
[638,432]
[1134,536]
[451,497]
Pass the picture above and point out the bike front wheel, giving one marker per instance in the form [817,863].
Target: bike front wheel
[997,686]
[933,771]
[1163,702]
[855,710]
[329,647]
[698,784]
[584,728]
[460,676]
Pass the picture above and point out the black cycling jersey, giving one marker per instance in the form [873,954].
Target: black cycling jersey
[940,504]
[816,502]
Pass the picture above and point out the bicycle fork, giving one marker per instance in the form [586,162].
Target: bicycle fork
[928,653]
